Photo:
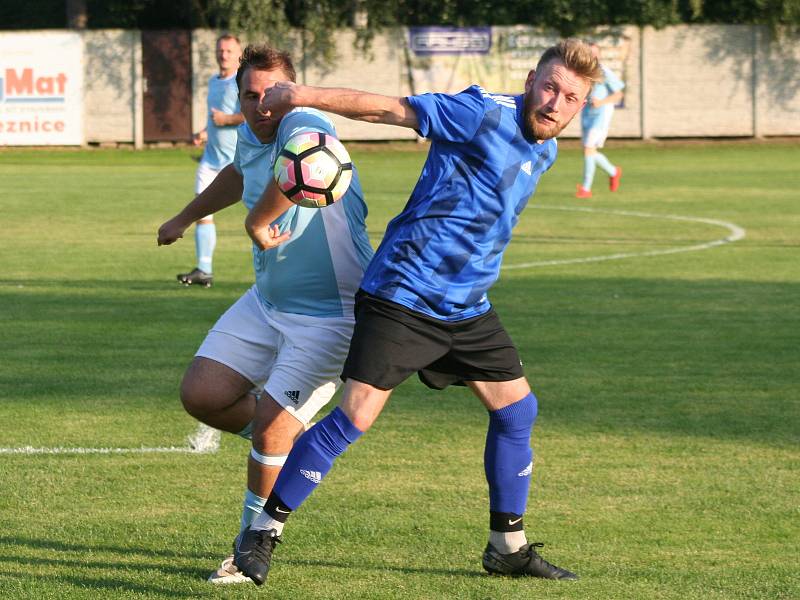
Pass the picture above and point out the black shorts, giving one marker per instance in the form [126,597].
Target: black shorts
[390,343]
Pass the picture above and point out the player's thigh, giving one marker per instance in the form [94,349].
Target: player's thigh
[390,343]
[480,350]
[595,137]
[243,340]
[306,371]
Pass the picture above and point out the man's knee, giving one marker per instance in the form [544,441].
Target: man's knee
[208,387]
[196,399]
[362,403]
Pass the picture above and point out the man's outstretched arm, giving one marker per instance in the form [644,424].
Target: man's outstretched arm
[353,104]
[225,190]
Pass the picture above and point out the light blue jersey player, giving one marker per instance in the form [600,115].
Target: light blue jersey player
[318,270]
[275,357]
[223,97]
[423,307]
[219,135]
[595,123]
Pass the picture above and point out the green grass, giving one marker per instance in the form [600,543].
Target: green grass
[667,441]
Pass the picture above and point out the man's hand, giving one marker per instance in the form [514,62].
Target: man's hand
[171,231]
[279,99]
[200,138]
[267,237]
[219,118]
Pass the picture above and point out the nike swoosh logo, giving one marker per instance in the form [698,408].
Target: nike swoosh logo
[515,521]
[285,512]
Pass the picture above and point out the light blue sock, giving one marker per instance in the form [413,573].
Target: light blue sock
[253,506]
[205,240]
[602,162]
[588,171]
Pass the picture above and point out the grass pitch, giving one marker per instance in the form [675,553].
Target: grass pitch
[667,442]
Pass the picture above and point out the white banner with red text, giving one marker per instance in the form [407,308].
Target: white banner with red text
[41,89]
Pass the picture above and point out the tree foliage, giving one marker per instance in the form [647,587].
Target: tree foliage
[319,19]
[313,23]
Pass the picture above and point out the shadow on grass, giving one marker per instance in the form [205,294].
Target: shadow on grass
[63,565]
[105,587]
[62,569]
[707,358]
[59,546]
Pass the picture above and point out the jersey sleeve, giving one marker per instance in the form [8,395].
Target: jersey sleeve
[449,117]
[612,82]
[300,120]
[237,157]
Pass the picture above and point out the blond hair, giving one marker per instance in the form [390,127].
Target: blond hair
[577,57]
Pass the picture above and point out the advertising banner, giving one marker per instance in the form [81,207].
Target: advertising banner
[450,59]
[41,89]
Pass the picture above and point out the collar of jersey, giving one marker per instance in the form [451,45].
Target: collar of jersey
[249,135]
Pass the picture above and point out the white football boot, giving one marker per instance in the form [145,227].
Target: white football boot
[228,573]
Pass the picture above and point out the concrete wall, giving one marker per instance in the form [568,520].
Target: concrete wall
[777,85]
[112,58]
[699,81]
[683,81]
[204,66]
[383,71]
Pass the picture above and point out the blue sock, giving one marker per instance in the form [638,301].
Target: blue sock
[508,457]
[253,506]
[601,161]
[312,457]
[205,239]
[588,171]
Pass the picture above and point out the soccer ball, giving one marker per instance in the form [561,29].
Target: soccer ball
[313,169]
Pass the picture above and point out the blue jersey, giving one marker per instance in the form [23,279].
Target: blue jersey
[223,94]
[594,117]
[318,270]
[441,255]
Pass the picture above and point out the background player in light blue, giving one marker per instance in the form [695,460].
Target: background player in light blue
[423,305]
[595,123]
[274,358]
[219,136]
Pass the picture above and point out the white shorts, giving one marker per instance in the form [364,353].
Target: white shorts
[204,176]
[296,358]
[594,137]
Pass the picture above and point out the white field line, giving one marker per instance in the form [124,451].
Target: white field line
[204,441]
[736,233]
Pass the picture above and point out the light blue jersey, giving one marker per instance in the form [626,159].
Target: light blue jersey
[223,94]
[318,271]
[600,117]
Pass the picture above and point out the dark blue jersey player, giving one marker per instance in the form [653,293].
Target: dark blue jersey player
[443,252]
[423,307]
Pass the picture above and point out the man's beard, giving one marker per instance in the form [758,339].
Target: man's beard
[533,128]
